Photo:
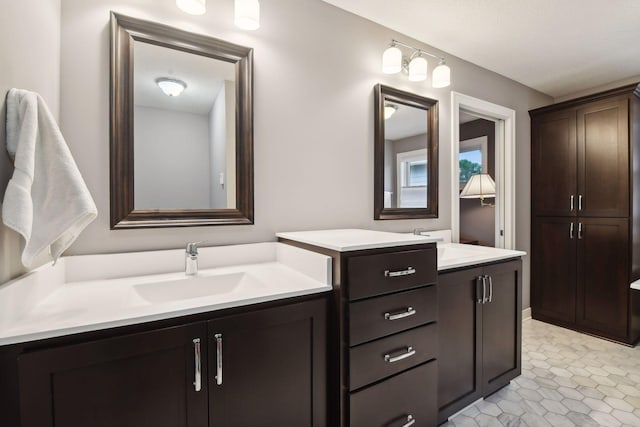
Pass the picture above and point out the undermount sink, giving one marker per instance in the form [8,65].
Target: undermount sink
[451,252]
[200,286]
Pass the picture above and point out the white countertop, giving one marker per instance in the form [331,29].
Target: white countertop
[635,285]
[456,255]
[354,239]
[93,292]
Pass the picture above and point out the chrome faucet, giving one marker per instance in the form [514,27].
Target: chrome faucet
[191,259]
[419,231]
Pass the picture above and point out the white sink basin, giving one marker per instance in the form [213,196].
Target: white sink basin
[191,287]
[450,252]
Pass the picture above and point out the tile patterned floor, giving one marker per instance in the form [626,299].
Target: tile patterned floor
[568,379]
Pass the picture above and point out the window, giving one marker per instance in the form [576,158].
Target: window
[412,179]
[472,158]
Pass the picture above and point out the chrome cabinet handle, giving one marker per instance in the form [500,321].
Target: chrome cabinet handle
[407,272]
[572,206]
[218,338]
[480,300]
[580,231]
[197,382]
[580,202]
[392,359]
[484,289]
[490,288]
[410,311]
[571,232]
[410,421]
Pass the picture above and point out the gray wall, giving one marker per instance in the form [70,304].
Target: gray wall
[171,159]
[315,69]
[29,59]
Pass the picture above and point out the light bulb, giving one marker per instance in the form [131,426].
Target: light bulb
[441,76]
[192,7]
[392,60]
[418,69]
[247,14]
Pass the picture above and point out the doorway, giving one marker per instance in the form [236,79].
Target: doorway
[483,143]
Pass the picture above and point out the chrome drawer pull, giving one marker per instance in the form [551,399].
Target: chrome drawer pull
[409,312]
[572,206]
[197,382]
[580,202]
[408,271]
[218,338]
[410,421]
[490,288]
[392,359]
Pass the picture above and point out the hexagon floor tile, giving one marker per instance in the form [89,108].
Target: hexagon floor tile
[568,379]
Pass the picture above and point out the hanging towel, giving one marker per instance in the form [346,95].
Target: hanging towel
[46,200]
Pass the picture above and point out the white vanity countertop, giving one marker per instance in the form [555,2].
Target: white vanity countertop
[635,285]
[92,292]
[354,239]
[456,255]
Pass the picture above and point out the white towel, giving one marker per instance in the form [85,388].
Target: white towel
[46,201]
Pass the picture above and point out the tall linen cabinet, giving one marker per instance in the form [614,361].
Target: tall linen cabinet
[585,214]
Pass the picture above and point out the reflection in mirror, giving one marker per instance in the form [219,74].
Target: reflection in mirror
[406,155]
[184,153]
[181,128]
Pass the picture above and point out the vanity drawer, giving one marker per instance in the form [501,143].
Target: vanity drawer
[386,315]
[371,275]
[387,356]
[391,402]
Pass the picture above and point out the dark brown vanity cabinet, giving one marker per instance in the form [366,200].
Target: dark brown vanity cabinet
[264,367]
[384,337]
[480,322]
[585,228]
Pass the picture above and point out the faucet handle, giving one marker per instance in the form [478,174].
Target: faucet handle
[192,248]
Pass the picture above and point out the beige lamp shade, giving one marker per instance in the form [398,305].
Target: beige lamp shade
[480,186]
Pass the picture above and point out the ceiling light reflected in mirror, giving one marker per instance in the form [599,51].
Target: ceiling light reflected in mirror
[171,87]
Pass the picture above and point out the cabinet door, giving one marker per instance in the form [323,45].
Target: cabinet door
[603,159]
[268,367]
[553,269]
[502,325]
[603,265]
[459,364]
[554,164]
[139,380]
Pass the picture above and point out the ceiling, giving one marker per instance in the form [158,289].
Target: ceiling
[204,78]
[558,47]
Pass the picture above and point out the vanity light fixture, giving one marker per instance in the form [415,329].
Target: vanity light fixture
[480,186]
[192,7]
[415,65]
[247,14]
[389,110]
[171,87]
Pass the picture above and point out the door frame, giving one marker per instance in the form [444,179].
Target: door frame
[505,121]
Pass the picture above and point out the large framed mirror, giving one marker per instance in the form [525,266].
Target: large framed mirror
[181,128]
[405,155]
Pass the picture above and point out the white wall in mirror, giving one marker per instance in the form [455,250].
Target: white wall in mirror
[184,151]
[405,158]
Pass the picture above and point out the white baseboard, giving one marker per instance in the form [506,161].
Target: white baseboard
[526,313]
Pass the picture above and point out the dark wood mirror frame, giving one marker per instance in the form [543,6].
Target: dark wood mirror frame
[385,93]
[124,30]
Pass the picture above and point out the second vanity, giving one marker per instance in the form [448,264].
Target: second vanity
[420,330]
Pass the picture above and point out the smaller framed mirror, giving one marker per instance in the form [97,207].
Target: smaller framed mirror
[405,155]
